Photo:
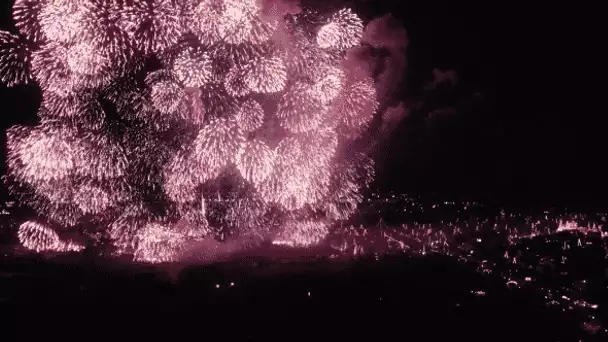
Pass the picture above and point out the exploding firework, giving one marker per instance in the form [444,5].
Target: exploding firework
[343,31]
[216,145]
[156,242]
[14,59]
[61,20]
[153,24]
[166,121]
[255,161]
[26,14]
[40,238]
[193,68]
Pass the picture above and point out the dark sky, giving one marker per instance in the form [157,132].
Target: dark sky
[523,128]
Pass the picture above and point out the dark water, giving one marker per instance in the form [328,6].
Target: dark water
[392,298]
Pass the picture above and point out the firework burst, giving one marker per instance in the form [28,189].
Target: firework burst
[343,31]
[164,122]
[14,59]
[26,14]
[40,238]
[153,24]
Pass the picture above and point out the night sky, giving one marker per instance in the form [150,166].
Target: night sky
[518,127]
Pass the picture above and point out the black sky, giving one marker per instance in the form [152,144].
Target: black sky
[524,129]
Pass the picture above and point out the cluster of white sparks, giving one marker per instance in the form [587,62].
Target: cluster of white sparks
[263,100]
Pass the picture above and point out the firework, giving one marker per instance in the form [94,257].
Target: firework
[14,59]
[266,75]
[156,242]
[204,20]
[166,121]
[153,24]
[61,20]
[344,31]
[356,107]
[255,161]
[40,238]
[193,68]
[236,23]
[300,110]
[43,154]
[101,22]
[166,94]
[26,14]
[85,59]
[250,116]
[216,145]
[235,83]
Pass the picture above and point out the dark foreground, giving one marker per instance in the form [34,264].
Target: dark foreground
[391,299]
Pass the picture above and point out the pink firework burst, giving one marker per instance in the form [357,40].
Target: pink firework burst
[43,154]
[26,14]
[356,107]
[300,110]
[344,31]
[235,83]
[204,18]
[168,97]
[156,242]
[61,20]
[193,68]
[86,59]
[14,59]
[236,22]
[266,75]
[255,161]
[216,145]
[250,116]
[153,24]
[101,23]
[40,238]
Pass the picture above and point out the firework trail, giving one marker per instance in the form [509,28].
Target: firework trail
[167,121]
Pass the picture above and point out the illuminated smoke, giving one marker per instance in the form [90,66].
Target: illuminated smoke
[167,121]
